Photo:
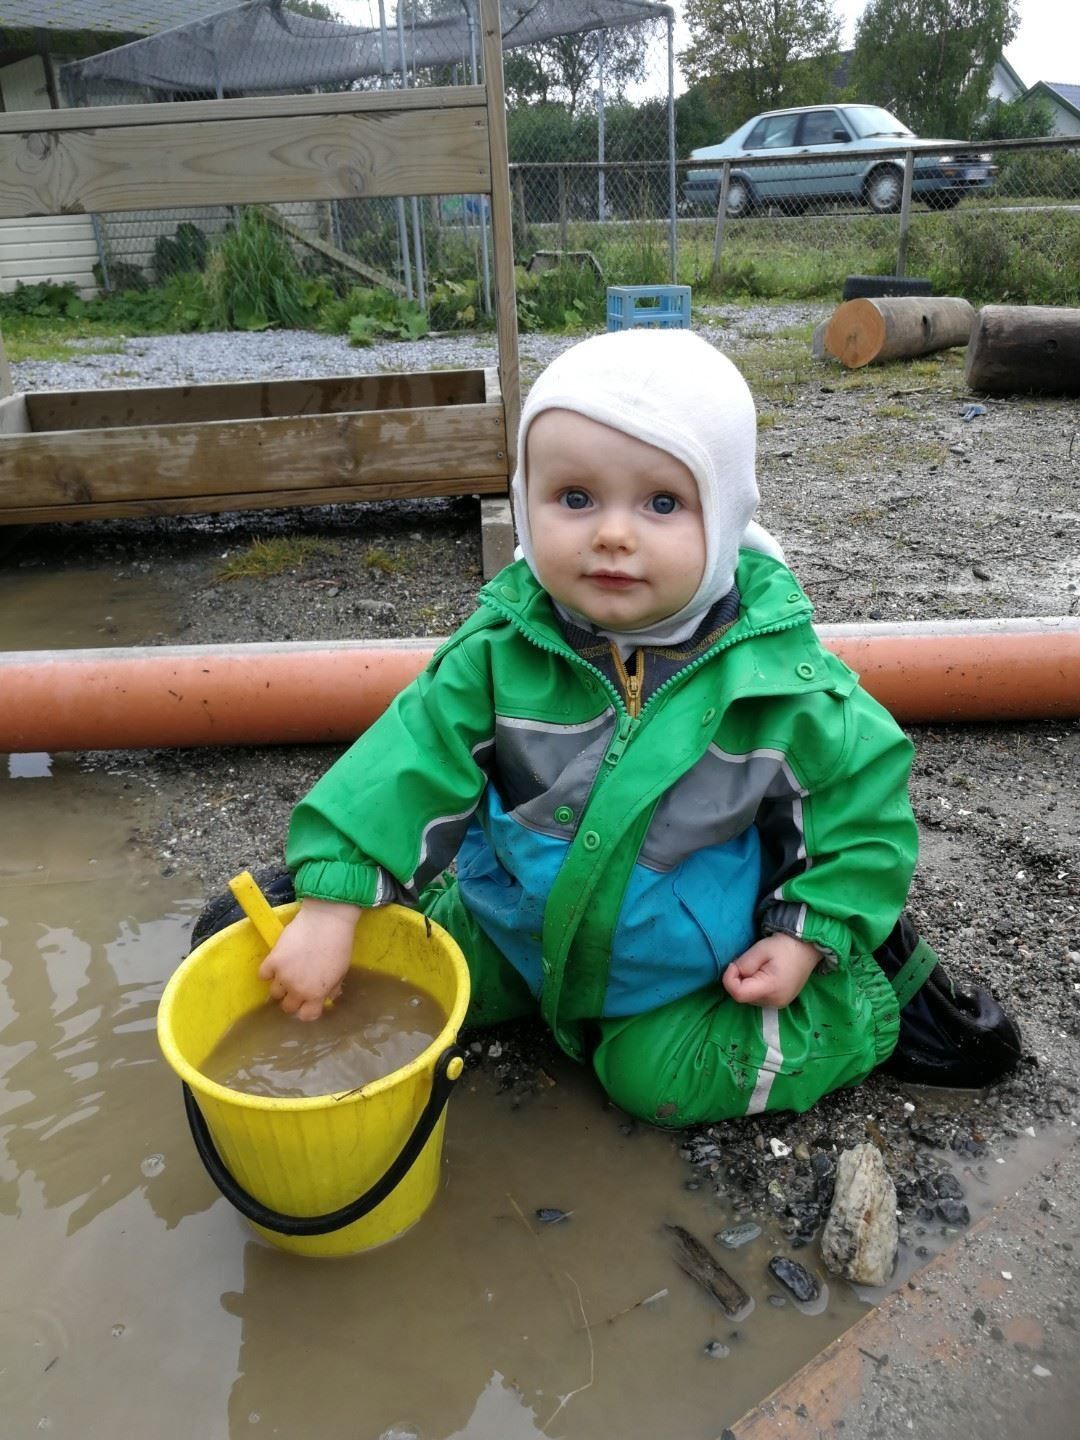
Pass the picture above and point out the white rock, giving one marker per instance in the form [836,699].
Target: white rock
[779,1149]
[861,1236]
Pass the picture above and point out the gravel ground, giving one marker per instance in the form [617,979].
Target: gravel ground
[890,505]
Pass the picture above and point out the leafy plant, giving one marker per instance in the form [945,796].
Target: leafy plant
[252,281]
[367,315]
[43,301]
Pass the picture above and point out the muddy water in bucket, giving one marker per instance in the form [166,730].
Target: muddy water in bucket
[379,1024]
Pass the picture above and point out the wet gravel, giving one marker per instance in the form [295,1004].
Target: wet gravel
[890,506]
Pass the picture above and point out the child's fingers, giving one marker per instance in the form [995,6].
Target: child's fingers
[310,1010]
[268,969]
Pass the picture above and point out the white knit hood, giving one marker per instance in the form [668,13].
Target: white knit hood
[673,390]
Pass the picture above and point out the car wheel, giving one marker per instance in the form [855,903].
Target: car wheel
[884,190]
[740,198]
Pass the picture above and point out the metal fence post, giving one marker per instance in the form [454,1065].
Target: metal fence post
[905,212]
[564,215]
[721,216]
[519,196]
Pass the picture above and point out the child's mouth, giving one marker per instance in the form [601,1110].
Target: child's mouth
[613,580]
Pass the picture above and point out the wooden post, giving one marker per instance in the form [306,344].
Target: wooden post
[6,386]
[501,227]
[862,331]
[721,217]
[905,212]
[564,238]
[1025,348]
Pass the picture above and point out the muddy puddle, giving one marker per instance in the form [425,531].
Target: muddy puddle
[77,608]
[136,1302]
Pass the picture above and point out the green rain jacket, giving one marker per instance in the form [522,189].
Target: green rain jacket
[619,863]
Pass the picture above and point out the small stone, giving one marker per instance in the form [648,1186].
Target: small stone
[996,1333]
[779,1149]
[495,1050]
[777,1301]
[980,572]
[861,1234]
[738,1235]
[802,1151]
[1006,1274]
[979,1316]
[716,1351]
[549,1215]
[947,1187]
[1041,1371]
[795,1277]
[954,1212]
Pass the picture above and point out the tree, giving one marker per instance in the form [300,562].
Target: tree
[1016,119]
[752,55]
[931,60]
[567,68]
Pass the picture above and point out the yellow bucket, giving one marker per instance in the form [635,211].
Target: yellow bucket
[329,1174]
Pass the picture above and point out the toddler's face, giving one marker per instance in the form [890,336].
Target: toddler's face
[616,524]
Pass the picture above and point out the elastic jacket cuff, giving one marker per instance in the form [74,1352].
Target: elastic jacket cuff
[832,937]
[347,884]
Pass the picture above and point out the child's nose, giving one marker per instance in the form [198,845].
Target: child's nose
[614,530]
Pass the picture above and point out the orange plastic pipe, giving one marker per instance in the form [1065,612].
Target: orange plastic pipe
[952,671]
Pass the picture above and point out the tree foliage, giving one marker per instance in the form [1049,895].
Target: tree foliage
[752,55]
[567,69]
[1017,119]
[931,60]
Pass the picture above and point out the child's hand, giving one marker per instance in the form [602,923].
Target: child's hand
[772,972]
[307,965]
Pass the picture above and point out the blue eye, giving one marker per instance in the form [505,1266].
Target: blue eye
[576,500]
[664,504]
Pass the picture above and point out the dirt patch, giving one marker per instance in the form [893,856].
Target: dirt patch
[890,505]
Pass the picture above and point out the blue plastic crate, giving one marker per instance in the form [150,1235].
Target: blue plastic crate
[665,307]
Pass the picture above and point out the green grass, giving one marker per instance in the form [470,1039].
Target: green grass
[31,337]
[263,559]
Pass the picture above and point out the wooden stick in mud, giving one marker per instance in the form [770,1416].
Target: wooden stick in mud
[863,331]
[692,1257]
[1025,348]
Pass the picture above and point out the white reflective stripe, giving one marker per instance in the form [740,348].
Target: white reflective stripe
[768,753]
[549,727]
[774,1058]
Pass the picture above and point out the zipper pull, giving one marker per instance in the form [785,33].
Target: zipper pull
[633,693]
[620,740]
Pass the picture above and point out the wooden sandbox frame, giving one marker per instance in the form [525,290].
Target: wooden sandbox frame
[99,454]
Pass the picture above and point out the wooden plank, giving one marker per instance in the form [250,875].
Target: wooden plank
[266,500]
[501,223]
[47,252]
[252,107]
[424,152]
[225,457]
[253,399]
[323,247]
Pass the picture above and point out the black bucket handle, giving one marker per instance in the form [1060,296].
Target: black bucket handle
[442,1084]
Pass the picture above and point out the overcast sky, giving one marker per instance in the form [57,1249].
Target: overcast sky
[1047,44]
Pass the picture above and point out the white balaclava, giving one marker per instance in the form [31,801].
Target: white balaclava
[673,390]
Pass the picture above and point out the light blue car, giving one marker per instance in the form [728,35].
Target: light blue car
[827,135]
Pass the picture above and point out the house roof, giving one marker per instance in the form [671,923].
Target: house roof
[1010,70]
[1067,95]
[104,17]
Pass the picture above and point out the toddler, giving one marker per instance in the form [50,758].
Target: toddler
[681,828]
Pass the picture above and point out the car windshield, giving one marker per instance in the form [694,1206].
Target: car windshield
[870,120]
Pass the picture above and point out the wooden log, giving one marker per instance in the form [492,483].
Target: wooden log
[864,331]
[1024,348]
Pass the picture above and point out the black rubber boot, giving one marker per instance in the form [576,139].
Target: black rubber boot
[949,1034]
[223,910]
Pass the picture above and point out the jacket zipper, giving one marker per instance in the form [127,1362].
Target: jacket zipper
[634,684]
